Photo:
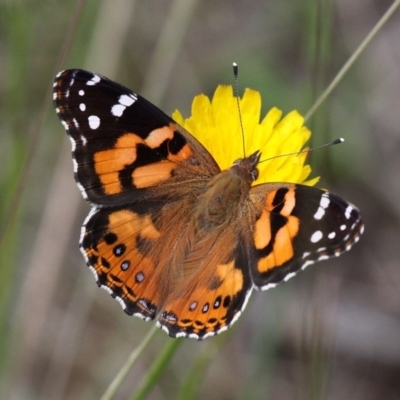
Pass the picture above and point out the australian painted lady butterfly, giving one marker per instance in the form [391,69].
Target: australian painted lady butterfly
[170,234]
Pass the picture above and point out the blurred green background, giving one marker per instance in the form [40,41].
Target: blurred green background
[331,333]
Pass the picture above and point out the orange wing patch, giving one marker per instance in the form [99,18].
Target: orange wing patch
[282,248]
[274,233]
[153,174]
[109,163]
[119,263]
[206,310]
[158,136]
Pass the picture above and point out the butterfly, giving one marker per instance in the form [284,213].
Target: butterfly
[172,236]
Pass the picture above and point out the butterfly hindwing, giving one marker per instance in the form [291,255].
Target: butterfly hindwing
[109,243]
[297,225]
[122,145]
[131,251]
[212,299]
[198,287]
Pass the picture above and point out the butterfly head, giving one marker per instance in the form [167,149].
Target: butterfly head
[247,167]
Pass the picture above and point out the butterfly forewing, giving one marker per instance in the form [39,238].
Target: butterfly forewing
[122,145]
[295,226]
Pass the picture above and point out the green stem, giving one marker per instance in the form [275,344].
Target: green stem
[130,362]
[158,367]
[195,373]
[353,59]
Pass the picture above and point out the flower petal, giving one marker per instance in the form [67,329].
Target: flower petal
[216,124]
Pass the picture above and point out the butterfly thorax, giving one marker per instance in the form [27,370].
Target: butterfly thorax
[225,194]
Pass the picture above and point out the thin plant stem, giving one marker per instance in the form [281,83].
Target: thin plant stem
[190,383]
[349,63]
[130,362]
[158,367]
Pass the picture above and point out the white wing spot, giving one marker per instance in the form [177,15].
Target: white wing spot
[75,165]
[191,336]
[95,79]
[269,286]
[289,276]
[348,211]
[320,213]
[73,144]
[91,268]
[117,110]
[76,124]
[123,305]
[84,140]
[82,107]
[342,227]
[81,92]
[82,189]
[323,205]
[332,235]
[126,100]
[94,122]
[306,264]
[316,236]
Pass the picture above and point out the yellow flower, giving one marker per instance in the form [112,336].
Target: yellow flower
[217,126]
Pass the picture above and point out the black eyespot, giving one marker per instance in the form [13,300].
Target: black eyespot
[139,277]
[125,265]
[147,305]
[227,301]
[217,302]
[110,238]
[170,317]
[119,250]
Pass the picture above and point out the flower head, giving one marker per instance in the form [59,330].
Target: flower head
[217,126]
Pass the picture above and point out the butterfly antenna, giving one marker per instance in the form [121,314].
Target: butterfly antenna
[336,141]
[235,76]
